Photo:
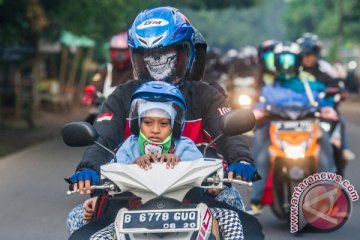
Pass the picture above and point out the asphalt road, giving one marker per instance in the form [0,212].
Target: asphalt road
[33,203]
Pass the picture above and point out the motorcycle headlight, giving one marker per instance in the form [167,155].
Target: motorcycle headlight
[294,152]
[244,100]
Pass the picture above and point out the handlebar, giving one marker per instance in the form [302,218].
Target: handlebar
[102,187]
[217,180]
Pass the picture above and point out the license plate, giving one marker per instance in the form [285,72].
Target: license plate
[160,220]
[293,126]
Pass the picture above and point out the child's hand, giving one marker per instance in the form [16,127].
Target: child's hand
[170,159]
[89,207]
[145,161]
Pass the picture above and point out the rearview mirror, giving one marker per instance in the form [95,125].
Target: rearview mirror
[238,121]
[79,134]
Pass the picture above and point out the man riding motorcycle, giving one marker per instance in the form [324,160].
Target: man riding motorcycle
[287,88]
[116,72]
[119,70]
[266,62]
[162,48]
[314,67]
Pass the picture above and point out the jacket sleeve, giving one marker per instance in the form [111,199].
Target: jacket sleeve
[129,151]
[110,125]
[187,150]
[214,107]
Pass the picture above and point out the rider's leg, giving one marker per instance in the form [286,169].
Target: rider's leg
[231,196]
[326,155]
[347,154]
[75,219]
[261,157]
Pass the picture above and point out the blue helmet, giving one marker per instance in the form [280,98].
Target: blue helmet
[310,44]
[158,95]
[162,45]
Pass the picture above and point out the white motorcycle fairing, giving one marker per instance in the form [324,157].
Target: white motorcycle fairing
[161,181]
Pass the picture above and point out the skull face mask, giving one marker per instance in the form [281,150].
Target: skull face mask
[162,66]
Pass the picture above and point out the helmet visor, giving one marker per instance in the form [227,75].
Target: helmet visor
[286,66]
[287,61]
[269,60]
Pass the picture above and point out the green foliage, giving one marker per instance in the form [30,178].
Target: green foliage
[234,28]
[211,5]
[324,17]
[98,20]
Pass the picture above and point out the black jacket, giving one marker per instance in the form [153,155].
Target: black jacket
[205,106]
[326,74]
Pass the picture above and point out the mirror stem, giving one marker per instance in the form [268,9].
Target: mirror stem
[207,146]
[112,153]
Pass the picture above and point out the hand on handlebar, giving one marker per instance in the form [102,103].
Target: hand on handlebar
[84,179]
[259,114]
[329,113]
[244,171]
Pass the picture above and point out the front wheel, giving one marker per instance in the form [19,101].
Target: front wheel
[282,192]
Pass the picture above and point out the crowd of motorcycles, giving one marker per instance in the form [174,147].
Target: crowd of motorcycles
[294,131]
[294,134]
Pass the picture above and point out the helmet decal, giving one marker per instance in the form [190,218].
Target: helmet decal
[151,41]
[154,22]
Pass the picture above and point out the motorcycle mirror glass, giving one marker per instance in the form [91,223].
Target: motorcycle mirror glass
[238,121]
[79,134]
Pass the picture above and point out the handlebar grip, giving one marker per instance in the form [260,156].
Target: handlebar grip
[104,187]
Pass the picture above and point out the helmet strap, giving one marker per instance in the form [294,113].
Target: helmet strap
[147,146]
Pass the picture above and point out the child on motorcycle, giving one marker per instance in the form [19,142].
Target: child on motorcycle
[157,117]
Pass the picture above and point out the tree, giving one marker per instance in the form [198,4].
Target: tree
[234,28]
[338,21]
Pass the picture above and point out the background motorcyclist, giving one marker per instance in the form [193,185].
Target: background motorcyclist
[164,50]
[105,80]
[118,70]
[314,67]
[286,89]
[266,62]
[216,69]
[242,84]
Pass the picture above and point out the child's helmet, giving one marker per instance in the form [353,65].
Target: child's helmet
[157,95]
